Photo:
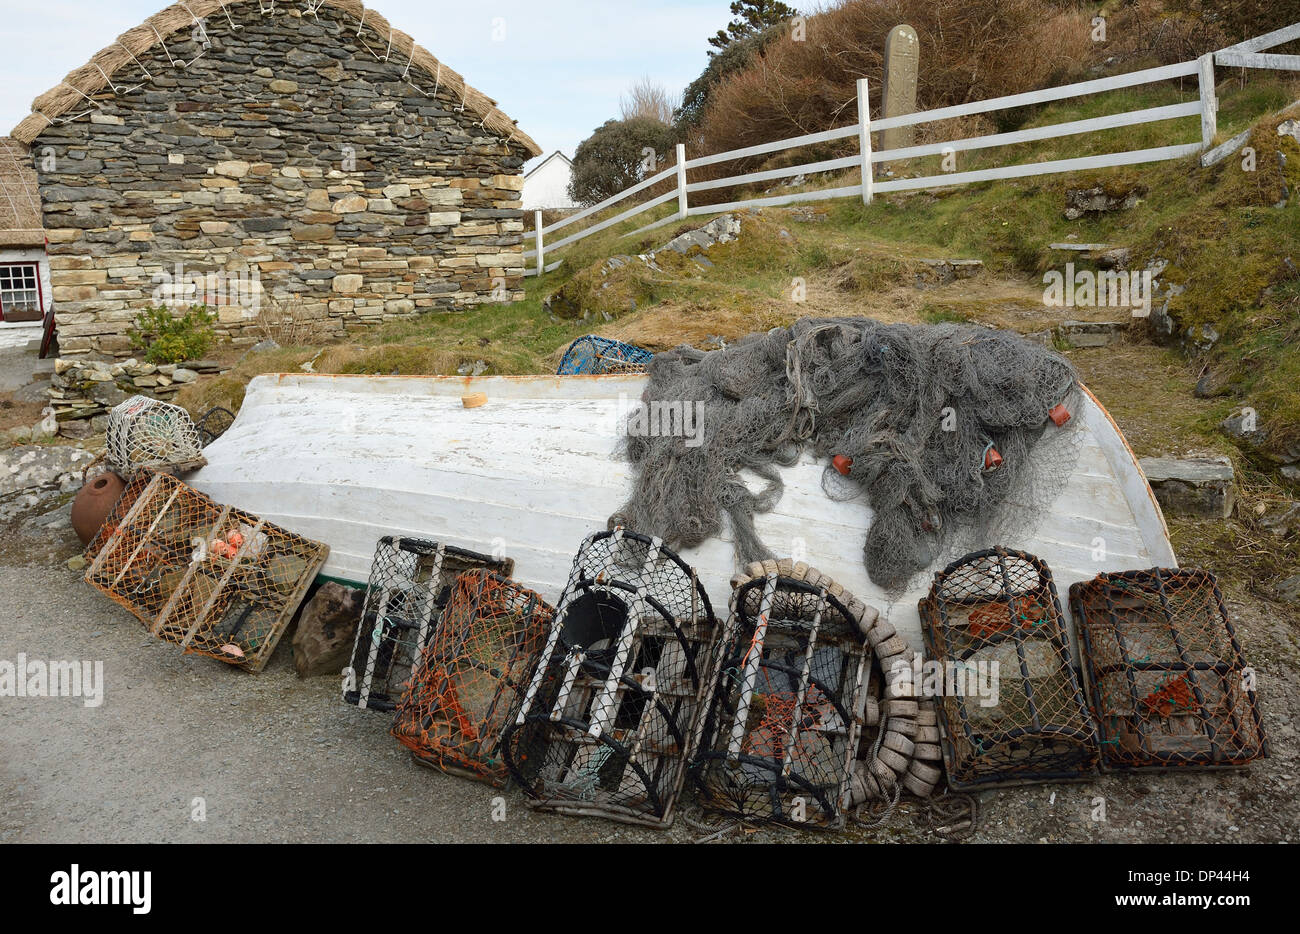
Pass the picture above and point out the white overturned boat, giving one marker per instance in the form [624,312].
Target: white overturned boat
[348,459]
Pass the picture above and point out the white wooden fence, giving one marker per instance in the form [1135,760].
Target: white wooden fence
[1245,54]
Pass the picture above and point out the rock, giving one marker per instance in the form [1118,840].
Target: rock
[184,375]
[1092,333]
[77,429]
[327,629]
[1243,427]
[943,271]
[477,368]
[20,435]
[1288,590]
[33,392]
[263,346]
[1290,472]
[722,229]
[1097,200]
[76,563]
[1114,258]
[1282,523]
[1289,128]
[1212,385]
[1203,486]
[31,474]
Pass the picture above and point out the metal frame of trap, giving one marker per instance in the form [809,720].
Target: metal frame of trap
[392,644]
[162,528]
[1076,760]
[1094,624]
[721,753]
[577,696]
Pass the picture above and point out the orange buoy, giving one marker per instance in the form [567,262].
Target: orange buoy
[843,463]
[992,459]
[1059,414]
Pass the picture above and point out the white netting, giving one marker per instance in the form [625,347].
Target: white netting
[145,433]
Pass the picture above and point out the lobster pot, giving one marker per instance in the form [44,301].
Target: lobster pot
[1165,675]
[992,619]
[213,579]
[781,736]
[145,434]
[411,582]
[593,356]
[471,675]
[611,711]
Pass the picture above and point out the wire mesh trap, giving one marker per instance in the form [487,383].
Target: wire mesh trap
[213,423]
[1166,679]
[411,581]
[471,675]
[1016,713]
[145,434]
[612,709]
[215,580]
[781,735]
[592,355]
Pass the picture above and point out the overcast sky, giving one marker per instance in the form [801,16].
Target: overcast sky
[558,68]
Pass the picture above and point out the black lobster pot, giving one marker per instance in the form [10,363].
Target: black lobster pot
[410,583]
[781,736]
[612,709]
[1165,675]
[995,614]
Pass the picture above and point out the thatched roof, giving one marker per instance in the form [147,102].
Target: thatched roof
[93,77]
[20,199]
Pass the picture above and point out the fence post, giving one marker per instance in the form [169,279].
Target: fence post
[681,180]
[541,249]
[1209,103]
[864,141]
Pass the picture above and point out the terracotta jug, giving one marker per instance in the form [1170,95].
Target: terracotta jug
[93,503]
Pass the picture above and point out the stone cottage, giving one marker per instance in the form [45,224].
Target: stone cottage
[301,159]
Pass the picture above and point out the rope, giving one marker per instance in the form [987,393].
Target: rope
[712,832]
[957,818]
[888,812]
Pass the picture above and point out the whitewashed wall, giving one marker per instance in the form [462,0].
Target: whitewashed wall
[547,185]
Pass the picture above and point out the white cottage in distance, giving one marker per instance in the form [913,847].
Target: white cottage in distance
[546,185]
[25,294]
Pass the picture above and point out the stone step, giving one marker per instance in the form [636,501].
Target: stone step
[1203,487]
[1092,333]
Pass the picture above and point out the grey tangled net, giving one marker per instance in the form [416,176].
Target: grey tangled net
[915,407]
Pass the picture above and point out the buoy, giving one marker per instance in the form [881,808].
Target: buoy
[473,400]
[992,459]
[843,463]
[232,650]
[1059,414]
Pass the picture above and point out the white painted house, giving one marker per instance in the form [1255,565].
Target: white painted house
[25,296]
[546,185]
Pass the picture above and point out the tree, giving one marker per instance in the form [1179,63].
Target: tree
[735,57]
[617,155]
[752,17]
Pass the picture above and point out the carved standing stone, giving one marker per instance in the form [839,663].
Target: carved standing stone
[902,61]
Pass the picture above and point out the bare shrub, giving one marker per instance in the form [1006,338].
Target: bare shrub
[650,100]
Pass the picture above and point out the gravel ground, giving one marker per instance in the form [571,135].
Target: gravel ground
[277,758]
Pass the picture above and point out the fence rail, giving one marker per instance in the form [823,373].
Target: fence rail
[1246,54]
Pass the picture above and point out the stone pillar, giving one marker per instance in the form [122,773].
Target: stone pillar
[902,60]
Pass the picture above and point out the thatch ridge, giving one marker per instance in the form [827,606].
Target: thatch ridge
[82,83]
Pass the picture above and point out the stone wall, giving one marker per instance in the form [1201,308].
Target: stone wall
[287,161]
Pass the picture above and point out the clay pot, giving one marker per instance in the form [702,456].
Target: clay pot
[93,503]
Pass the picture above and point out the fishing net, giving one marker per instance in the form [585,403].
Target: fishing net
[781,735]
[145,434]
[612,711]
[215,580]
[592,355]
[952,433]
[1012,710]
[410,583]
[1166,678]
[471,675]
